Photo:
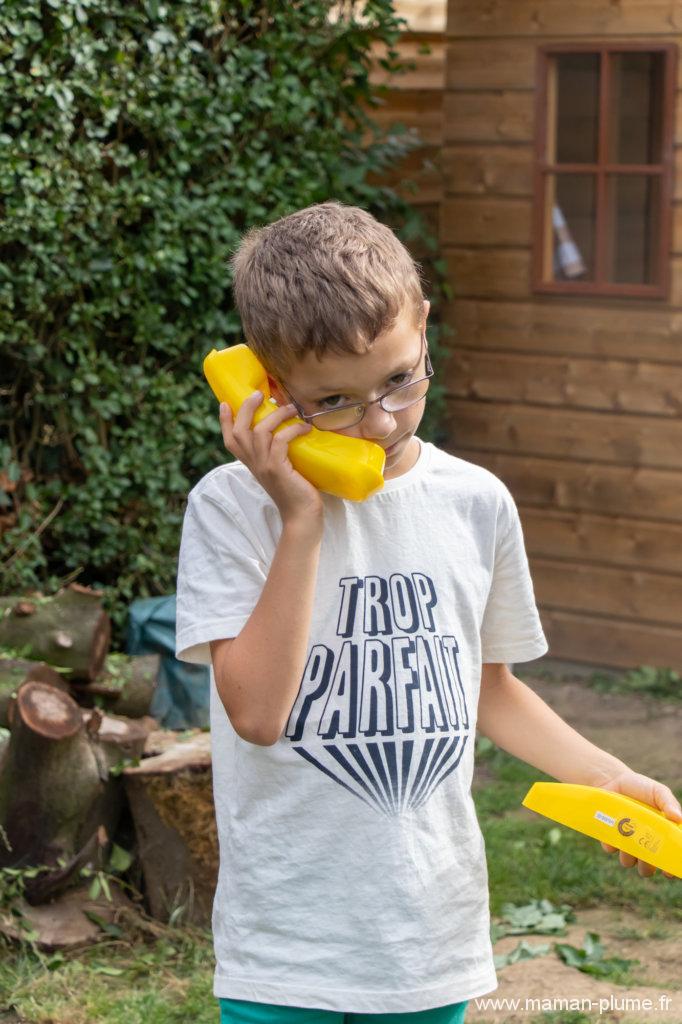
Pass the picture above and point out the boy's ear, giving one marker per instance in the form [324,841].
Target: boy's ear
[275,391]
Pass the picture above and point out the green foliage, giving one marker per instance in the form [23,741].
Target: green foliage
[138,140]
[590,959]
[664,683]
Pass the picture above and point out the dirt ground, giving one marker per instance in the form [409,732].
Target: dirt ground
[646,733]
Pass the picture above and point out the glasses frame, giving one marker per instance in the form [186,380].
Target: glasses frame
[311,417]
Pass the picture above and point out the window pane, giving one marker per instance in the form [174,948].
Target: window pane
[634,202]
[636,121]
[570,211]
[576,128]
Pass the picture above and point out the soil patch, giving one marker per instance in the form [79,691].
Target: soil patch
[530,988]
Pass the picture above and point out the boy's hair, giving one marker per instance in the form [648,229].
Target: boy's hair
[329,278]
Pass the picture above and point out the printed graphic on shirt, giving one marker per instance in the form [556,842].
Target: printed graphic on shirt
[383,711]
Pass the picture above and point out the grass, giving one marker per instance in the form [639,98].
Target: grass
[165,982]
[138,980]
[524,862]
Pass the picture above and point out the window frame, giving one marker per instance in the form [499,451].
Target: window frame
[660,289]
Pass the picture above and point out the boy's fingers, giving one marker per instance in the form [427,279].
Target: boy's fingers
[287,434]
[627,860]
[278,415]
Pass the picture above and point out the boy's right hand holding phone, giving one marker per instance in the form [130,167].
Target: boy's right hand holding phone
[264,453]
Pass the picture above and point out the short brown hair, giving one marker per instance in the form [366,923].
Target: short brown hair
[329,278]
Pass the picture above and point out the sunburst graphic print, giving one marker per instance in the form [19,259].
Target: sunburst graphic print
[381,710]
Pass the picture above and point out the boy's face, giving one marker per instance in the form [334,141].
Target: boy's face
[394,358]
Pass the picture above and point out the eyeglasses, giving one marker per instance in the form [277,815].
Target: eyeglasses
[394,400]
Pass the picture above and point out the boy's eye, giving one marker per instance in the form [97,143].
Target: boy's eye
[332,401]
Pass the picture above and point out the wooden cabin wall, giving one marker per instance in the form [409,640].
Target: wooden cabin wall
[575,402]
[416,100]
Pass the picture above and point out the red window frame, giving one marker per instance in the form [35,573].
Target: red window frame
[542,226]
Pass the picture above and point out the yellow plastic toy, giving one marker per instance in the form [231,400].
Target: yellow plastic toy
[621,821]
[347,467]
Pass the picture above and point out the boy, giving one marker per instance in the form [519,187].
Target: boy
[355,648]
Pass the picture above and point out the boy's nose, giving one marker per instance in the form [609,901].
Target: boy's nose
[377,424]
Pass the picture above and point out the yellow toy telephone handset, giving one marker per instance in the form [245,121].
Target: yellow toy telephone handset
[621,821]
[347,467]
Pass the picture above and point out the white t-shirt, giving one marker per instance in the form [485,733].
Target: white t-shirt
[352,866]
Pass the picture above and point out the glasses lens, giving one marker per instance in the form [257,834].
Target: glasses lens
[338,420]
[401,398]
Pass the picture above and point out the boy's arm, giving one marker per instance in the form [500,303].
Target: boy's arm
[258,672]
[520,722]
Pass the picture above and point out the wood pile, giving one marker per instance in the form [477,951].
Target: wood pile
[85,770]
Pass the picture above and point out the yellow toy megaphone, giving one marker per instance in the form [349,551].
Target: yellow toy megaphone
[347,467]
[614,819]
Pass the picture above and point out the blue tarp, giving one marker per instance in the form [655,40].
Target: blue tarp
[182,690]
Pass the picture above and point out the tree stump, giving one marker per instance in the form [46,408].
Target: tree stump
[171,799]
[59,802]
[69,630]
[15,671]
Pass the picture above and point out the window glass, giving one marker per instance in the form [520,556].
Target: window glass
[577,108]
[573,209]
[633,203]
[636,108]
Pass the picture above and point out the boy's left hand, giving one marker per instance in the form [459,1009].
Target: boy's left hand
[650,792]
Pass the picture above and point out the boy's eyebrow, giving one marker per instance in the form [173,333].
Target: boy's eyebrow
[403,367]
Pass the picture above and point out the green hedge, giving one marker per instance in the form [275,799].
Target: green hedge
[138,141]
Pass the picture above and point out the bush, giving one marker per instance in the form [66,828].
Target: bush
[138,140]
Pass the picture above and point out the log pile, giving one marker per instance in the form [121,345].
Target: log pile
[81,758]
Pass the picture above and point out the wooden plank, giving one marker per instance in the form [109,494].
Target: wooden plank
[609,385]
[649,441]
[425,51]
[613,540]
[537,18]
[421,167]
[676,240]
[478,220]
[415,108]
[423,15]
[608,642]
[622,593]
[584,486]
[490,170]
[490,64]
[488,116]
[567,326]
[676,281]
[489,273]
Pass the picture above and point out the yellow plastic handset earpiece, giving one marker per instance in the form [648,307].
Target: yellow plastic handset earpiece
[614,819]
[347,467]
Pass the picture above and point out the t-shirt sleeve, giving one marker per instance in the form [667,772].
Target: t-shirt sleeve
[220,578]
[511,630]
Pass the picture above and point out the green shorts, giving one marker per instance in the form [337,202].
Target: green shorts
[239,1011]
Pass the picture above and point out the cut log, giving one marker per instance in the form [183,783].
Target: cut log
[70,629]
[129,692]
[171,799]
[58,796]
[15,671]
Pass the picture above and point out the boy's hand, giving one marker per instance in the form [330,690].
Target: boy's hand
[650,792]
[265,454]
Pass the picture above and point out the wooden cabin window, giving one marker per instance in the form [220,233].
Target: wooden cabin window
[603,169]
